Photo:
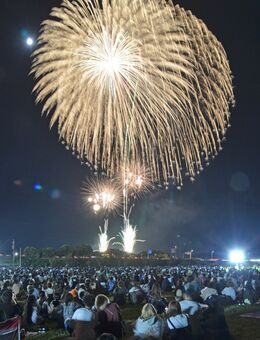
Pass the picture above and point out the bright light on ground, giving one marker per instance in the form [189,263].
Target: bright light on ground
[29,41]
[236,256]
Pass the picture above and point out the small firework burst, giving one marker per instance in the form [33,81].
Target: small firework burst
[104,241]
[128,236]
[135,180]
[102,195]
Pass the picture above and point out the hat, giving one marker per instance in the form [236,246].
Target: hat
[207,292]
[74,292]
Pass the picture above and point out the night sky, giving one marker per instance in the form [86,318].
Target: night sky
[219,211]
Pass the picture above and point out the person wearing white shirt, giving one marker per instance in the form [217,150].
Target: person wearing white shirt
[177,322]
[189,306]
[229,291]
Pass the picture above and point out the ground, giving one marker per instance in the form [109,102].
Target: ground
[241,328]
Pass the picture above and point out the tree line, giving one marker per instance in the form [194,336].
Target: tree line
[63,251]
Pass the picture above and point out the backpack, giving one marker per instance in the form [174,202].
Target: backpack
[180,333]
[112,312]
[113,315]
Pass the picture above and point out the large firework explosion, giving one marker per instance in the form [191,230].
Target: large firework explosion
[145,71]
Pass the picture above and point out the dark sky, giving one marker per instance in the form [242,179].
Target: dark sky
[220,210]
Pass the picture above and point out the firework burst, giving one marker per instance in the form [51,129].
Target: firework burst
[104,241]
[146,72]
[128,236]
[135,180]
[102,194]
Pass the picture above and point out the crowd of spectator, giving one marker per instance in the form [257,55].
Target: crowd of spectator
[174,302]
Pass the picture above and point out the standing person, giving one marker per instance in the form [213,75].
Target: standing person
[178,324]
[109,317]
[149,323]
[30,314]
[8,305]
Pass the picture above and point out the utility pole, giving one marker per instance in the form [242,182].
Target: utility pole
[13,246]
[20,258]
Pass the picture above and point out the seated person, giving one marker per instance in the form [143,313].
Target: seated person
[119,294]
[188,305]
[156,299]
[178,324]
[136,295]
[108,317]
[148,324]
[229,291]
[85,313]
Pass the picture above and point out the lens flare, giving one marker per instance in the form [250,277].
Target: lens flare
[148,72]
[104,241]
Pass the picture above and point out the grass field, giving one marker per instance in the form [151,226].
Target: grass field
[241,328]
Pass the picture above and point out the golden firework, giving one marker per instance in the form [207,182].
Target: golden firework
[141,73]
[102,194]
[104,241]
[135,180]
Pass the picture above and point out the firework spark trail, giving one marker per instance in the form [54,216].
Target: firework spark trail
[104,241]
[128,236]
[147,69]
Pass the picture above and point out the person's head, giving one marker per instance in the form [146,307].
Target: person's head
[120,284]
[178,295]
[31,300]
[74,293]
[230,284]
[6,297]
[101,302]
[50,298]
[56,296]
[148,311]
[28,309]
[89,300]
[156,290]
[42,295]
[173,309]
[187,295]
[81,294]
[68,298]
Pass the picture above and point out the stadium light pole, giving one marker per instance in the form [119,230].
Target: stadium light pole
[20,257]
[13,246]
